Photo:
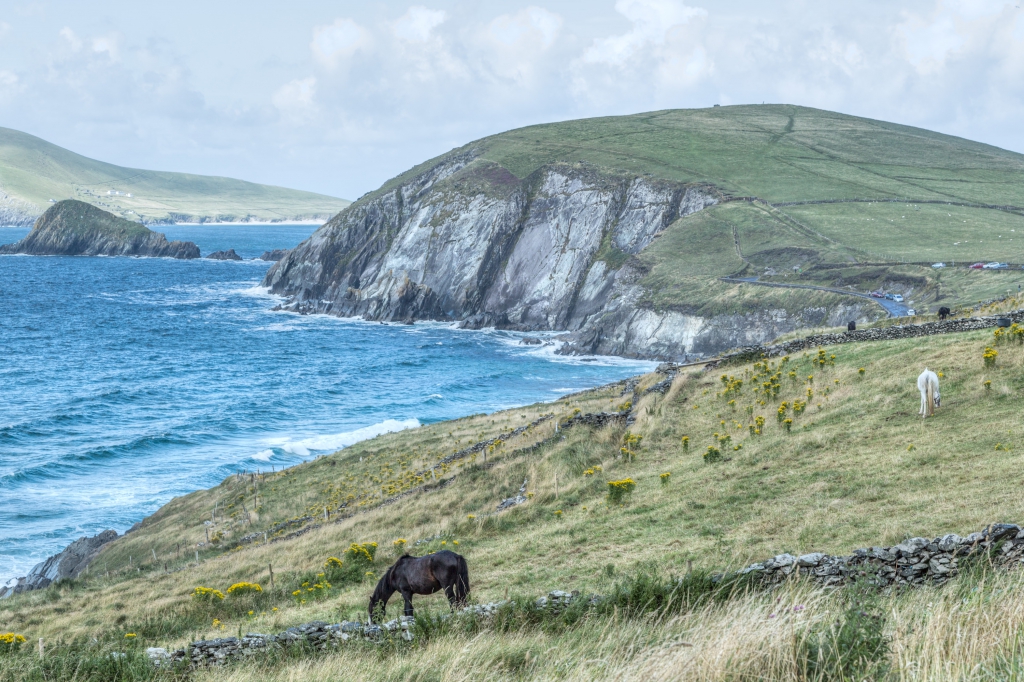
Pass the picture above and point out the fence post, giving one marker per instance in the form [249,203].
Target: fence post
[42,648]
[197,557]
[271,568]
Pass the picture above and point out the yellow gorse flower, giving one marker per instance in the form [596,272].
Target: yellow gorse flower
[244,588]
[207,593]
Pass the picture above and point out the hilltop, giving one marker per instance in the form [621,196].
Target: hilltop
[855,466]
[34,173]
[621,229]
[75,228]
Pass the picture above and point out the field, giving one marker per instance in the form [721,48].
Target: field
[857,468]
[33,171]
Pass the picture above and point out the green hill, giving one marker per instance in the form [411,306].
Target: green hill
[648,213]
[33,173]
[858,467]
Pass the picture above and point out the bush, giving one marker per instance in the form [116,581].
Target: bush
[10,642]
[239,589]
[207,594]
[989,356]
[712,455]
[618,490]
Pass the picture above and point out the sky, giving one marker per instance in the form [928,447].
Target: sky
[338,97]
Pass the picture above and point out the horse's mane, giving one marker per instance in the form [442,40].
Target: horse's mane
[385,580]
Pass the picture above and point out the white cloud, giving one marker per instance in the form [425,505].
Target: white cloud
[8,79]
[533,21]
[67,34]
[652,21]
[417,23]
[296,97]
[105,44]
[928,44]
[336,41]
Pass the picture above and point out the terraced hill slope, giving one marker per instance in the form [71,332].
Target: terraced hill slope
[855,467]
[618,229]
[33,172]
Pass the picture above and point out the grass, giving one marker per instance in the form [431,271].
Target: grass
[33,171]
[845,477]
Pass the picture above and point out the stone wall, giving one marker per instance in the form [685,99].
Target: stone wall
[912,562]
[908,331]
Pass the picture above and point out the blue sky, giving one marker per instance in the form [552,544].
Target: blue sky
[337,97]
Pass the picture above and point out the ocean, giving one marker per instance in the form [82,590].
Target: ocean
[125,382]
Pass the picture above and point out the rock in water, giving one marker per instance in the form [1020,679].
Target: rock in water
[67,564]
[225,255]
[274,256]
[75,228]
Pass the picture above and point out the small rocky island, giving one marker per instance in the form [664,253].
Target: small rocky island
[75,228]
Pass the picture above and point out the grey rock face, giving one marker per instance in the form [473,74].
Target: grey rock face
[67,564]
[273,256]
[224,255]
[520,254]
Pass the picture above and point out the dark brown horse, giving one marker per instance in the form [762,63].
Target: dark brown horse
[428,574]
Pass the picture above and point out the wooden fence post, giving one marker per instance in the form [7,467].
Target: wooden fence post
[271,568]
[42,648]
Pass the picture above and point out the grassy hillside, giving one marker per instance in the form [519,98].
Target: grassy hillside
[33,171]
[858,468]
[892,194]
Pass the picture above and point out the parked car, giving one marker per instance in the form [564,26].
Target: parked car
[938,265]
[911,312]
[877,294]
[991,266]
[999,266]
[898,298]
[888,297]
[977,266]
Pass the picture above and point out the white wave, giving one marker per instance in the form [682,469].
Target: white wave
[264,455]
[436,395]
[336,441]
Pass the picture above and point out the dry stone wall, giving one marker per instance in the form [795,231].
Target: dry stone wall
[910,331]
[912,562]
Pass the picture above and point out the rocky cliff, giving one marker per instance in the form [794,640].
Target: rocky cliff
[75,228]
[465,240]
[66,564]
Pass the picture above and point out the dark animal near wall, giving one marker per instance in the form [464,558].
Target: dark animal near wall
[428,574]
[852,327]
[943,312]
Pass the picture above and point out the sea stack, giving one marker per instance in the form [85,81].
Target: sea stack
[75,228]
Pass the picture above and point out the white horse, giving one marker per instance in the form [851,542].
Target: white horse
[928,384]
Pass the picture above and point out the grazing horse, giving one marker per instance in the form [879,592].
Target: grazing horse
[852,327]
[411,575]
[943,312]
[928,384]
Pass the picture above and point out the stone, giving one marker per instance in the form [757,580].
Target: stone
[950,542]
[812,559]
[224,255]
[68,563]
[911,546]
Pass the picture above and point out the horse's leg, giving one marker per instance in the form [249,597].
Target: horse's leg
[449,591]
[407,596]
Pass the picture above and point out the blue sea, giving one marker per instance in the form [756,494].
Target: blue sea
[128,381]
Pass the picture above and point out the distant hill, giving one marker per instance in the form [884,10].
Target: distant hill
[621,230]
[35,173]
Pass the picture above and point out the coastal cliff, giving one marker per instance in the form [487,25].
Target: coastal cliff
[75,228]
[466,240]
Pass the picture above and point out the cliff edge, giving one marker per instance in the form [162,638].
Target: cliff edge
[75,228]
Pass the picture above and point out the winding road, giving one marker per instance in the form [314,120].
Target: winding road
[892,307]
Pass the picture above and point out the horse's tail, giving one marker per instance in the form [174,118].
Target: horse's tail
[462,582]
